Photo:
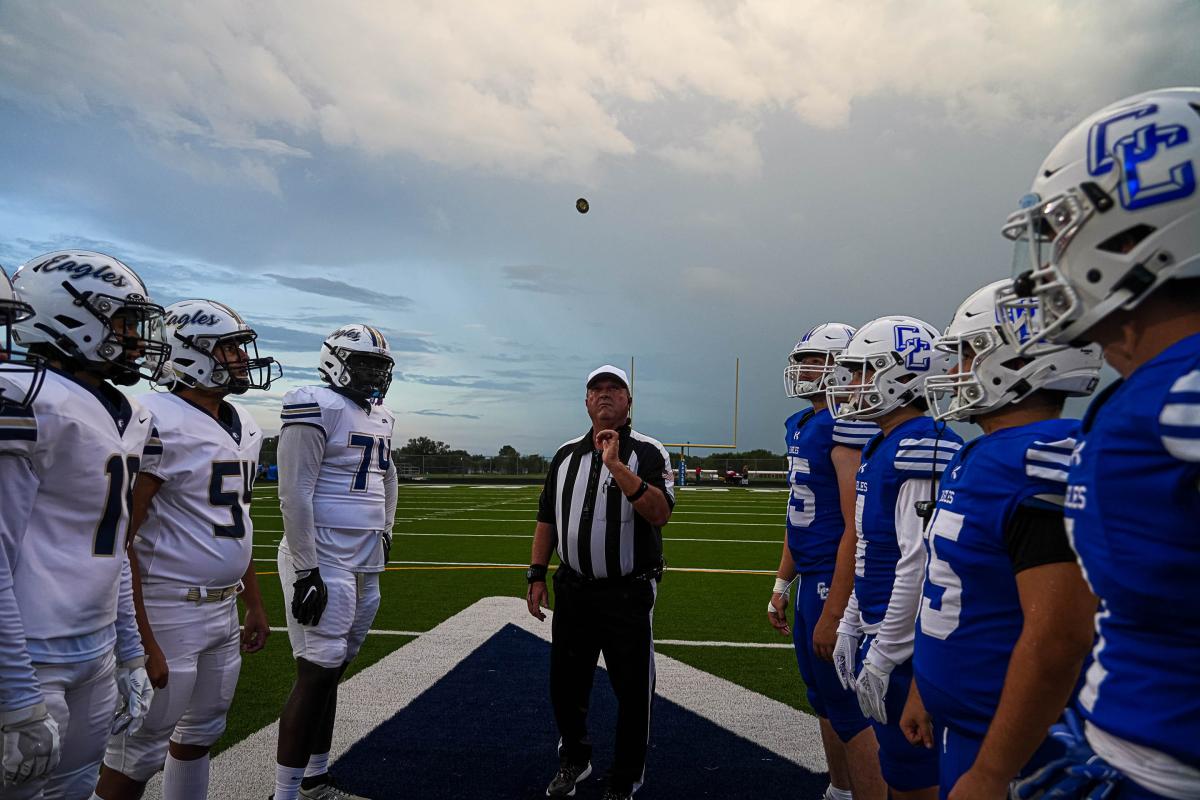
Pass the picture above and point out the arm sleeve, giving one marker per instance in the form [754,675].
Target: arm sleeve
[129,641]
[851,619]
[19,686]
[1035,535]
[301,448]
[391,485]
[893,643]
[657,472]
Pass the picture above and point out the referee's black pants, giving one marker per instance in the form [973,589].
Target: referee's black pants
[614,617]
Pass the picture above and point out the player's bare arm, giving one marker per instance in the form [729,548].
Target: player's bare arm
[1055,639]
[144,489]
[845,461]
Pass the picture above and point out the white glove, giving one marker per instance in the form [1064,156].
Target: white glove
[843,658]
[872,691]
[136,693]
[29,743]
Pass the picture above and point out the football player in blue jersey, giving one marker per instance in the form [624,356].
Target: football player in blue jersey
[1110,238]
[889,360]
[1005,621]
[823,458]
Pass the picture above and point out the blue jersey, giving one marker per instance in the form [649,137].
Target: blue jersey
[913,450]
[971,614]
[814,512]
[1133,514]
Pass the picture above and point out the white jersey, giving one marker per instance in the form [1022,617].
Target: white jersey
[358,449]
[198,532]
[85,448]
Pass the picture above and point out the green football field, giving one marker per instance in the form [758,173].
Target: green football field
[456,544]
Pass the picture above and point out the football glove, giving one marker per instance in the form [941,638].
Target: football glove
[29,744]
[309,597]
[872,689]
[1080,773]
[386,538]
[133,684]
[843,658]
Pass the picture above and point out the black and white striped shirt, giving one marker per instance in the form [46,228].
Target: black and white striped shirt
[597,531]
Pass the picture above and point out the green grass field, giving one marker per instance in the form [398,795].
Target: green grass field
[455,545]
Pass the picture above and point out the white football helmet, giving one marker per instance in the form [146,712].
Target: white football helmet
[76,296]
[893,357]
[194,330]
[807,380]
[998,374]
[357,359]
[1114,212]
[14,363]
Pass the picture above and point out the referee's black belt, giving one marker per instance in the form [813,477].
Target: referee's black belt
[569,575]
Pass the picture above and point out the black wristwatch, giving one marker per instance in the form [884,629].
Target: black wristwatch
[536,573]
[641,490]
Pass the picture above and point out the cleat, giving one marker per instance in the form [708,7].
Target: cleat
[328,791]
[568,776]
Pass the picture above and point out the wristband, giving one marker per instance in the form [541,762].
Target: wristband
[641,490]
[781,586]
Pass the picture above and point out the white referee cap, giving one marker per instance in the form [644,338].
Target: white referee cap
[611,371]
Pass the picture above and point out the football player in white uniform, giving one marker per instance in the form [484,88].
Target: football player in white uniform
[67,463]
[192,545]
[337,491]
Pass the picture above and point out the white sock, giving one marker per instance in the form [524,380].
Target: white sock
[287,782]
[185,780]
[832,793]
[318,764]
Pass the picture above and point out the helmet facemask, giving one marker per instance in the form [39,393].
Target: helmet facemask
[808,380]
[14,362]
[870,397]
[368,375]
[1041,233]
[249,371]
[134,352]
[961,394]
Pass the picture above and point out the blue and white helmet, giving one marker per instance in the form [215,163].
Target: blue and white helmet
[357,360]
[21,373]
[1113,213]
[825,340]
[990,337]
[76,296]
[195,330]
[893,357]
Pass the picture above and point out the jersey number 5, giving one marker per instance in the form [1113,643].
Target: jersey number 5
[802,508]
[940,578]
[370,446]
[236,500]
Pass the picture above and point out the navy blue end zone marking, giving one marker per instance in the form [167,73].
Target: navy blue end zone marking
[487,730]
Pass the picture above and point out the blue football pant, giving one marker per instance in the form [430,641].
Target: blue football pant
[825,692]
[906,767]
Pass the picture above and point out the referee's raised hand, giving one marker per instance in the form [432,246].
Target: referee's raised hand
[608,442]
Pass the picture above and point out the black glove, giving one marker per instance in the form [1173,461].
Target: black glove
[386,537]
[309,597]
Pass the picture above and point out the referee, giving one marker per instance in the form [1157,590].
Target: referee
[607,495]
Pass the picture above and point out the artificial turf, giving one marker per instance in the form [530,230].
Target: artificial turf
[456,545]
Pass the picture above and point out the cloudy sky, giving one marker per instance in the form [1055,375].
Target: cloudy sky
[753,168]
